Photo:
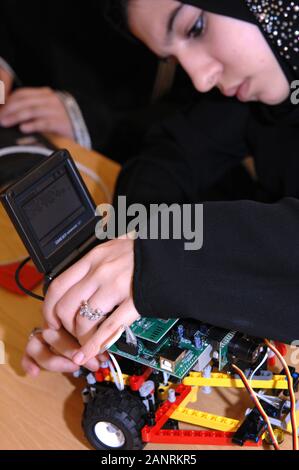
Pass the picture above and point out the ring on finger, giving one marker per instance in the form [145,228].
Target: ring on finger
[35,332]
[93,315]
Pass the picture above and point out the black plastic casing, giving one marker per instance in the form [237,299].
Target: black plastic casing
[74,244]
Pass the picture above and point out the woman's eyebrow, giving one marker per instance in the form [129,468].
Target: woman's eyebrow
[171,20]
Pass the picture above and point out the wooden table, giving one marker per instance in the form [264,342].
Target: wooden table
[45,413]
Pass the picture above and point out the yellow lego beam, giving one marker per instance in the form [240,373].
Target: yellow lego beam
[206,420]
[191,397]
[196,379]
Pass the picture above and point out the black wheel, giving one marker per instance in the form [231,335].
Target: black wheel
[113,420]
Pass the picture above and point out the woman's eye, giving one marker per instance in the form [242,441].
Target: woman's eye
[198,27]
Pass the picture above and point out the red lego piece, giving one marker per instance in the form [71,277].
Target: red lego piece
[157,435]
[29,277]
[271,361]
[201,438]
[282,348]
[101,374]
[136,381]
[105,371]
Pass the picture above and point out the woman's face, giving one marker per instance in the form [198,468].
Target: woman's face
[214,50]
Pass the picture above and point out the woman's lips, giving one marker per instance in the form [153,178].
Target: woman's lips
[230,91]
[241,91]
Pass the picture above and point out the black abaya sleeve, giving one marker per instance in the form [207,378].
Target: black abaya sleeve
[246,276]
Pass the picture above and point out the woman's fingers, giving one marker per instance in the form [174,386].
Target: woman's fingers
[40,353]
[103,278]
[60,287]
[36,110]
[43,124]
[104,301]
[15,105]
[58,124]
[64,344]
[24,98]
[27,92]
[67,308]
[31,112]
[29,366]
[53,351]
[124,315]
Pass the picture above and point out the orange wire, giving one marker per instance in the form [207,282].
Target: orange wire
[291,392]
[258,405]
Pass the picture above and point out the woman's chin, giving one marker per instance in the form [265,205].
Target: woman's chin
[273,99]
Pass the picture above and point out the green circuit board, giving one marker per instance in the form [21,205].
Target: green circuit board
[167,349]
[152,329]
[223,349]
[151,358]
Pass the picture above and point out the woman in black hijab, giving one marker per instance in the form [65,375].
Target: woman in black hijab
[246,276]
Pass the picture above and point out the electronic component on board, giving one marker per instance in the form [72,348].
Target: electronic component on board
[170,358]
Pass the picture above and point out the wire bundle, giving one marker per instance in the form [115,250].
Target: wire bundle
[260,407]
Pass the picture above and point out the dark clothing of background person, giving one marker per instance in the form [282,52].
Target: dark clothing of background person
[70,46]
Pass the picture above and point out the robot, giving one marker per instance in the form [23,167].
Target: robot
[161,365]
[156,366]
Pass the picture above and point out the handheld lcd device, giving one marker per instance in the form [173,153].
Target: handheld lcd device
[54,214]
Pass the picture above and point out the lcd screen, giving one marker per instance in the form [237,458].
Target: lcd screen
[52,206]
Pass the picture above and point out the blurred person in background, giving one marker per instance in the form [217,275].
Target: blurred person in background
[67,71]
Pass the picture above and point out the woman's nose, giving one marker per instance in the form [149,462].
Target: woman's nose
[204,74]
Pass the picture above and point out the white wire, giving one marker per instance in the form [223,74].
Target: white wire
[130,337]
[47,152]
[89,172]
[259,366]
[25,149]
[119,382]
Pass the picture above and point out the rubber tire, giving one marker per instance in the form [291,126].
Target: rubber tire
[123,410]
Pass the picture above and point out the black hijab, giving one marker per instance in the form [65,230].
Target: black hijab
[278,21]
[232,8]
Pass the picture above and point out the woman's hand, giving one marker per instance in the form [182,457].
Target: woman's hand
[36,110]
[53,351]
[104,279]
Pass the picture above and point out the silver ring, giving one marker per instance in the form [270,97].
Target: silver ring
[93,315]
[35,332]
